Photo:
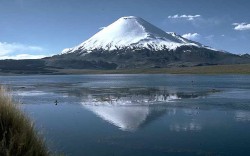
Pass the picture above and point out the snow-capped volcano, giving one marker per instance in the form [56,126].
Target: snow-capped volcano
[131,42]
[132,33]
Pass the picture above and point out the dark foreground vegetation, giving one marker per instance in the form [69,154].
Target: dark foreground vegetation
[17,134]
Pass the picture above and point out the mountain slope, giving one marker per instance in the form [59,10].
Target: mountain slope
[131,42]
[132,33]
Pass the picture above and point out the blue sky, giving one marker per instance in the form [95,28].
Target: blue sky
[37,28]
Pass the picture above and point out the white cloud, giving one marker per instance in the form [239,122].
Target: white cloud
[8,48]
[22,56]
[191,36]
[196,20]
[19,51]
[241,26]
[185,17]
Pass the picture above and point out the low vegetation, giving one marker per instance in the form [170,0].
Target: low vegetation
[212,69]
[17,134]
[209,69]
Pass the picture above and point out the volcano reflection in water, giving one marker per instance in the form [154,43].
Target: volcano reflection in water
[133,110]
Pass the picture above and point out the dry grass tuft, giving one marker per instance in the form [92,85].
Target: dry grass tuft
[17,133]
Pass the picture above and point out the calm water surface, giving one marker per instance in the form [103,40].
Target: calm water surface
[138,115]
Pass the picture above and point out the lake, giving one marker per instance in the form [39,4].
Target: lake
[139,115]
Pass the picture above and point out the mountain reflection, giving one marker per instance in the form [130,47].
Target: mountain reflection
[127,118]
[133,96]
[131,118]
[132,108]
[128,111]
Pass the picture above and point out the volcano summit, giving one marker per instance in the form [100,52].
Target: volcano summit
[132,42]
[132,33]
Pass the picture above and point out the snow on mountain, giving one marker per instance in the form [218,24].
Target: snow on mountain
[134,33]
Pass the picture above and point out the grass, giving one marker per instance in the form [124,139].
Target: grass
[215,69]
[17,133]
[212,69]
